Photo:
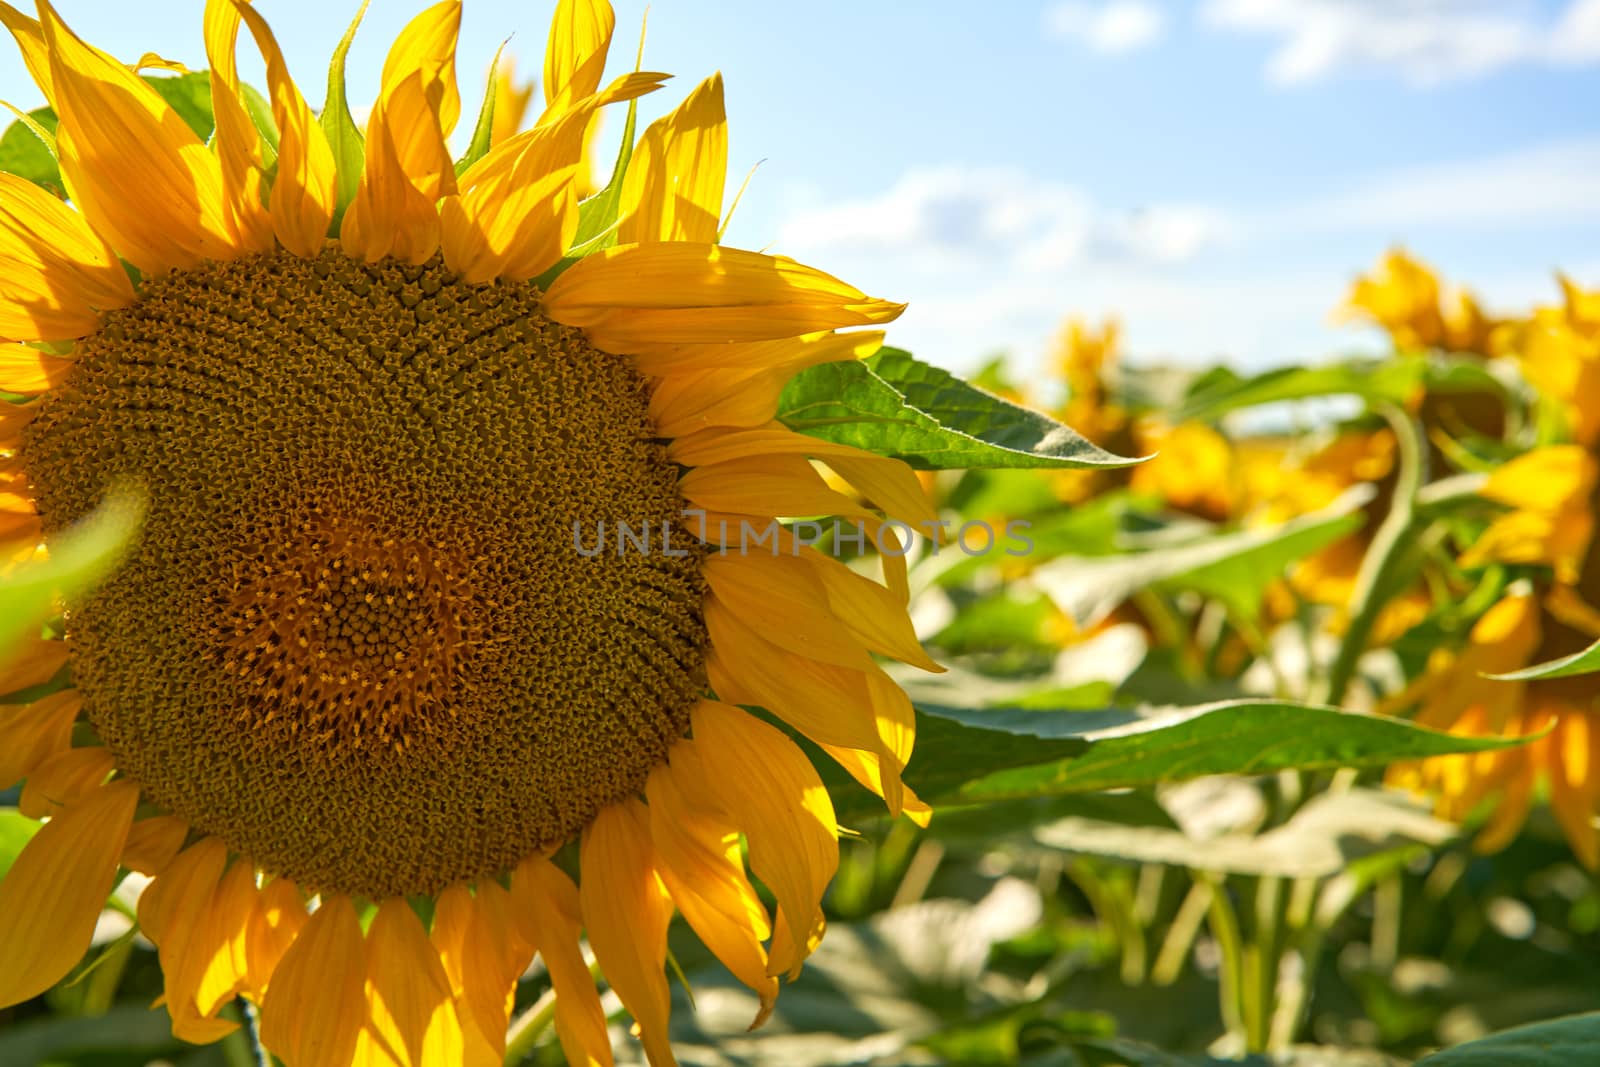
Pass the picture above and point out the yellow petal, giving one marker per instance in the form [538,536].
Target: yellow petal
[199,917]
[35,732]
[390,214]
[867,768]
[826,703]
[28,370]
[427,46]
[153,843]
[511,101]
[53,894]
[306,187]
[627,913]
[633,297]
[1545,479]
[550,915]
[30,39]
[59,274]
[697,850]
[575,55]
[34,662]
[765,485]
[674,184]
[782,599]
[64,778]
[277,919]
[518,212]
[472,935]
[413,1012]
[316,1003]
[137,172]
[889,483]
[772,793]
[675,359]
[238,144]
[874,614]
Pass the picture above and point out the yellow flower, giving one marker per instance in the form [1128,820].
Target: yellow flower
[1404,297]
[1085,360]
[1558,349]
[359,652]
[1193,468]
[1455,696]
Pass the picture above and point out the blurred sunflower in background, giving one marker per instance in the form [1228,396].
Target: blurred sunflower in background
[356,658]
[1550,499]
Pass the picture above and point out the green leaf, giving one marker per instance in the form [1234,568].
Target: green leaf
[1555,1043]
[122,1030]
[22,152]
[976,756]
[190,96]
[894,405]
[1222,391]
[483,130]
[344,136]
[16,830]
[78,558]
[1585,662]
[259,108]
[1236,567]
[1318,841]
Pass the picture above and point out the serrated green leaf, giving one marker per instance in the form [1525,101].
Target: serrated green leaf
[22,152]
[344,136]
[1585,662]
[1566,1042]
[483,129]
[77,559]
[895,405]
[190,96]
[963,756]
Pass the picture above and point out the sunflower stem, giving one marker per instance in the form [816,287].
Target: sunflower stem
[252,1033]
[528,1028]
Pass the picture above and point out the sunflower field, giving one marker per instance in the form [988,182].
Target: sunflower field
[456,610]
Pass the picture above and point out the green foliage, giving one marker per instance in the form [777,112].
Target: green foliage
[1584,662]
[189,95]
[1556,1043]
[897,406]
[24,154]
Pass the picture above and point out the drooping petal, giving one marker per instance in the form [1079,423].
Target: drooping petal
[137,172]
[35,732]
[199,917]
[278,918]
[306,188]
[238,143]
[35,661]
[626,913]
[575,54]
[153,843]
[674,185]
[53,894]
[482,958]
[413,1012]
[697,852]
[30,39]
[58,273]
[633,297]
[781,597]
[427,47]
[770,790]
[549,913]
[64,778]
[765,485]
[316,1003]
[390,215]
[871,611]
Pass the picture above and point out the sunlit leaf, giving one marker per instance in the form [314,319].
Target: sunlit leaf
[1585,662]
[895,405]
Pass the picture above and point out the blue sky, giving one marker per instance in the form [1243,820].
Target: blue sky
[1213,171]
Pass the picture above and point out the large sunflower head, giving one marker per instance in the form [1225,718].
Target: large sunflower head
[447,561]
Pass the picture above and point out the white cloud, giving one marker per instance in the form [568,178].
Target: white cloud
[941,216]
[1113,27]
[992,258]
[1424,42]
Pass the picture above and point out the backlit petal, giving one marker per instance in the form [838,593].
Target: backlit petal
[316,1003]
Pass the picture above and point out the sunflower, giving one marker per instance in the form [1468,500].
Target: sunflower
[1404,297]
[360,698]
[1550,494]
